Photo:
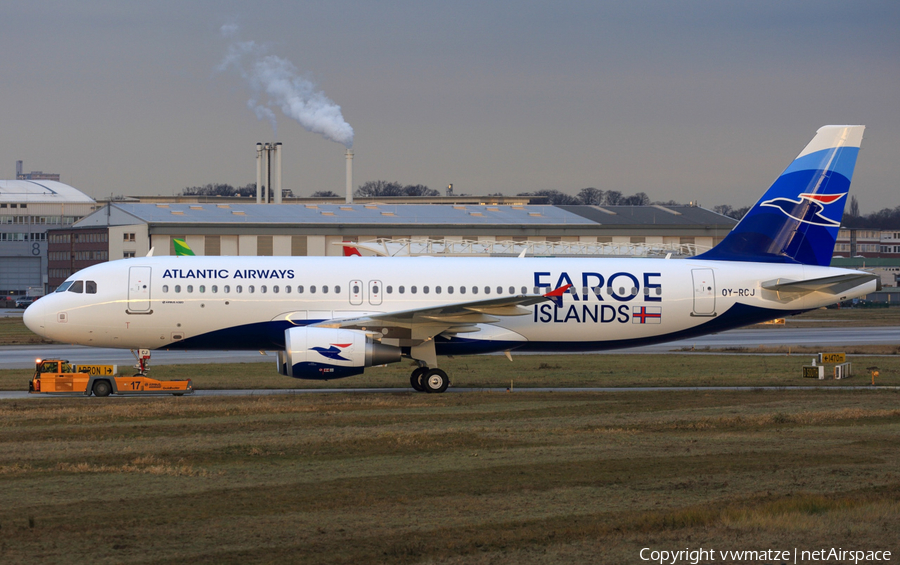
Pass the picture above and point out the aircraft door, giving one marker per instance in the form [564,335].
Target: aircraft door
[704,292]
[356,293]
[375,292]
[139,289]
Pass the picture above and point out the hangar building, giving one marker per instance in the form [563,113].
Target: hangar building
[28,208]
[121,230]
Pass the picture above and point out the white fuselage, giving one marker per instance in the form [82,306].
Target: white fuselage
[248,302]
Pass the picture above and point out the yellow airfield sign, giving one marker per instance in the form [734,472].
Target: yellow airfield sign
[98,370]
[836,358]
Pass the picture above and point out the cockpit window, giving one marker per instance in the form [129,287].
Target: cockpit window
[90,287]
[77,286]
[64,286]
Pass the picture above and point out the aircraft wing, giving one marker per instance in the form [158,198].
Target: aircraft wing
[448,315]
[830,285]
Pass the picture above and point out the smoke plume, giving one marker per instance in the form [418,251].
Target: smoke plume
[276,83]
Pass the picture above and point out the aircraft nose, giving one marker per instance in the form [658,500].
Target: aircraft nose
[34,317]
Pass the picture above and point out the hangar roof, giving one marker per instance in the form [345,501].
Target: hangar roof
[431,214]
[41,192]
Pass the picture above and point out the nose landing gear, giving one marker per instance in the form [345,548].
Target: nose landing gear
[143,361]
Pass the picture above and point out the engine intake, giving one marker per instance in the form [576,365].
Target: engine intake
[328,353]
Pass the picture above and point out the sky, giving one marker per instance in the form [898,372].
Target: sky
[703,101]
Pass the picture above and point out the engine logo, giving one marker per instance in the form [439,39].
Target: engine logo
[333,352]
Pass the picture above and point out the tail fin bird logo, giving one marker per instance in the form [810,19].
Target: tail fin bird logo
[333,352]
[809,208]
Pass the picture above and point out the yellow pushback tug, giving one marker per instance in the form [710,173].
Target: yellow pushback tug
[58,376]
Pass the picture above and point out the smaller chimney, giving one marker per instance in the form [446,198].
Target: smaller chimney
[258,173]
[349,198]
[19,169]
[278,173]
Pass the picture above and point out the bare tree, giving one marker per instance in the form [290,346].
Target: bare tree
[613,198]
[380,188]
[591,196]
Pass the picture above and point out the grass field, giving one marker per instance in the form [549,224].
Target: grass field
[452,478]
[491,371]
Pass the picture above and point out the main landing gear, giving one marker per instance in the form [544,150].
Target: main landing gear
[424,379]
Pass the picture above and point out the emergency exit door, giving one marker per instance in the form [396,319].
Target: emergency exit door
[704,292]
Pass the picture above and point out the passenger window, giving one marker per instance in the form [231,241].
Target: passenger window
[487,290]
[413,289]
[524,290]
[390,289]
[437,290]
[251,288]
[275,289]
[202,288]
[474,290]
[337,289]
[300,289]
[462,290]
[177,288]
[312,289]
[214,289]
[324,289]
[165,288]
[512,290]
[90,287]
[239,289]
[77,287]
[356,289]
[499,290]
[449,290]
[287,289]
[425,289]
[401,289]
[190,288]
[263,289]
[226,289]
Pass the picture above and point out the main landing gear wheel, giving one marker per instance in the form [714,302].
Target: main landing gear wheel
[416,379]
[435,380]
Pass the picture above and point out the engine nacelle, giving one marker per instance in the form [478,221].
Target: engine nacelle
[328,353]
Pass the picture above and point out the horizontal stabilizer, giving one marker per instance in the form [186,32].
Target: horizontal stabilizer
[829,285]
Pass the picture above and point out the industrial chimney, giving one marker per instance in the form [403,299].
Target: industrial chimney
[268,185]
[349,198]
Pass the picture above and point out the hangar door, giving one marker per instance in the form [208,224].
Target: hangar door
[18,273]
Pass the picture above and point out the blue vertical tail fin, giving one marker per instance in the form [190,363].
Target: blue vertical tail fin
[797,219]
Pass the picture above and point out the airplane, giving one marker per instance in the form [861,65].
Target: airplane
[332,317]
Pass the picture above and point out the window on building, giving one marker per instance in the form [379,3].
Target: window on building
[264,245]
